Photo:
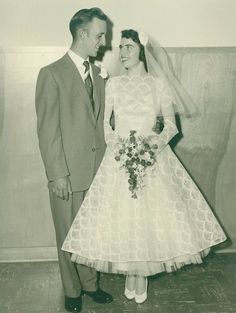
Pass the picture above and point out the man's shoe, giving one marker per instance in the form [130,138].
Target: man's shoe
[99,296]
[73,304]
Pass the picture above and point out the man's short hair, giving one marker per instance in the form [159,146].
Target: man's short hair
[83,17]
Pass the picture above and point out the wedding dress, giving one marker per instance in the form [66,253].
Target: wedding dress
[170,223]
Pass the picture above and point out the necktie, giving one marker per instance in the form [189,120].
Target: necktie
[89,83]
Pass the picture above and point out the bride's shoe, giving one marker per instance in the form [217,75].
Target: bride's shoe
[130,294]
[143,297]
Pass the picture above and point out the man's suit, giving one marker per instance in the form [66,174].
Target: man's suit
[71,141]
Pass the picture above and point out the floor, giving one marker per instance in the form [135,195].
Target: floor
[206,288]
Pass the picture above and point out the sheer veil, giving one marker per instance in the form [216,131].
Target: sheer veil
[159,65]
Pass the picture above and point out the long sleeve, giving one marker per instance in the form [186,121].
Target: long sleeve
[109,106]
[170,129]
[48,126]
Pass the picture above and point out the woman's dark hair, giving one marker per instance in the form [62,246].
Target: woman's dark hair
[83,17]
[133,34]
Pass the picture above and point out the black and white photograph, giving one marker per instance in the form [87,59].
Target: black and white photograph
[117,156]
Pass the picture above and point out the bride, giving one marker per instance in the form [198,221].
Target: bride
[143,214]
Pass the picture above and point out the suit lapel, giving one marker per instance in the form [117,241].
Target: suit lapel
[96,91]
[79,85]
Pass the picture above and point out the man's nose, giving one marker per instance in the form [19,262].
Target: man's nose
[103,41]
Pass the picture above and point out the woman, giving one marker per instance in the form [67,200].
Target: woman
[143,214]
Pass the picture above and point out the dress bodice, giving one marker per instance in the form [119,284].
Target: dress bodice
[135,102]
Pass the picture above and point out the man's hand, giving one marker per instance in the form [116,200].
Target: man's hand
[62,187]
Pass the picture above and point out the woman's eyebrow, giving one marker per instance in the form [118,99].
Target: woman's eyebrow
[126,45]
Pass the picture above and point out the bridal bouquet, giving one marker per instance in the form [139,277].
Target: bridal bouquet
[135,154]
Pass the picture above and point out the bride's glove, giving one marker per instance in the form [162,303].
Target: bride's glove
[170,129]
[162,139]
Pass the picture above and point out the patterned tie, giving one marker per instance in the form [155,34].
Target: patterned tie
[89,83]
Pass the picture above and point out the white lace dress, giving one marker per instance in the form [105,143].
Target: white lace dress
[169,224]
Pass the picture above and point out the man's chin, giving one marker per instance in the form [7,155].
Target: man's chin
[93,55]
[96,52]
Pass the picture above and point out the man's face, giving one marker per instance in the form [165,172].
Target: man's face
[129,52]
[96,31]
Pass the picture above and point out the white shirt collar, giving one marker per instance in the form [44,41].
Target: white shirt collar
[78,60]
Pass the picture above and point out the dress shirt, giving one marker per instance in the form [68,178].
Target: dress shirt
[78,60]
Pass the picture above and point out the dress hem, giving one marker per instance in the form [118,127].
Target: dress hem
[142,268]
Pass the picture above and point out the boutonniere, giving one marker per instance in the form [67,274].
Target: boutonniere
[103,72]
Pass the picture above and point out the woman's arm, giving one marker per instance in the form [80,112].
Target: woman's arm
[167,111]
[109,106]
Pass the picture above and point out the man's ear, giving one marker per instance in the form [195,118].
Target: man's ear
[82,33]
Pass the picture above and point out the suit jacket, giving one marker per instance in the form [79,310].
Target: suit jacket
[71,135]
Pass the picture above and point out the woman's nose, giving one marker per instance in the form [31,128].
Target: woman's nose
[123,53]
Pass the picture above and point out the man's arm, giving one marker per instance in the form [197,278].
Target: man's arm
[49,132]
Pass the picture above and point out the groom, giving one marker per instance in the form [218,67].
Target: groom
[70,109]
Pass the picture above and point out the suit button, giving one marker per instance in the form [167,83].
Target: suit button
[93,149]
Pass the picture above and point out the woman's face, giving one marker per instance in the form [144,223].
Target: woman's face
[129,52]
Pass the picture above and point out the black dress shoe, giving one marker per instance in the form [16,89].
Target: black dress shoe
[73,304]
[99,296]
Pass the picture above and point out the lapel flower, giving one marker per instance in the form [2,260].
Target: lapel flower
[103,72]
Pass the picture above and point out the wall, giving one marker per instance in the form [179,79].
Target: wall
[182,23]
[207,150]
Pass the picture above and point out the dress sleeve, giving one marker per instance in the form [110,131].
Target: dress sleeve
[109,106]
[167,111]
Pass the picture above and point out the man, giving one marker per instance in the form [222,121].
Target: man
[70,109]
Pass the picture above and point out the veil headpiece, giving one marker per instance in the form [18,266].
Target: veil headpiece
[159,65]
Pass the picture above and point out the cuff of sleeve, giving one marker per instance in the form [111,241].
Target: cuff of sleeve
[54,172]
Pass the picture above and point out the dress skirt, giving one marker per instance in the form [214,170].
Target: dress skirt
[168,226]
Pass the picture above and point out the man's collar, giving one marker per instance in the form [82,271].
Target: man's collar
[76,58]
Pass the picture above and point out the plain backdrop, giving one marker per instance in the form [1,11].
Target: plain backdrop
[34,33]
[186,23]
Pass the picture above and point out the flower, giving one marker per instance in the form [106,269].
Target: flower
[143,37]
[135,154]
[103,72]
[146,156]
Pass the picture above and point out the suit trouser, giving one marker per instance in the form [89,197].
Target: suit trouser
[74,276]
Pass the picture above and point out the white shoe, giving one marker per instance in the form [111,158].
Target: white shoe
[130,294]
[143,297]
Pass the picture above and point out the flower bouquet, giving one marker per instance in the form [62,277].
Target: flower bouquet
[135,154]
